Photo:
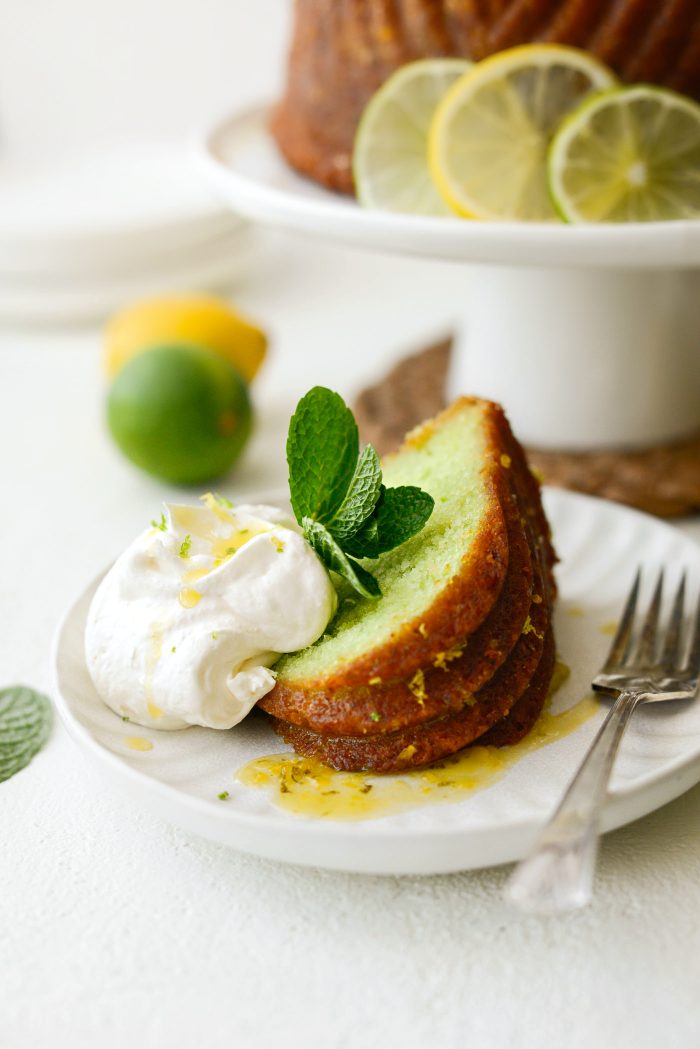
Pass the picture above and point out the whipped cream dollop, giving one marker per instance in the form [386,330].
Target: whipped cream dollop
[186,624]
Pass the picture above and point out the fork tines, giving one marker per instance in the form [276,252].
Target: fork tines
[639,645]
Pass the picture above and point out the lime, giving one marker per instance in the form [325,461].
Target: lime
[631,154]
[200,319]
[390,157]
[180,412]
[489,137]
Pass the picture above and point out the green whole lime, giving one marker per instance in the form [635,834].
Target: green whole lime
[180,412]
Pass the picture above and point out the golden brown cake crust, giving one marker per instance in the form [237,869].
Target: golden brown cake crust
[381,708]
[343,51]
[447,707]
[527,708]
[523,679]
[501,713]
[465,602]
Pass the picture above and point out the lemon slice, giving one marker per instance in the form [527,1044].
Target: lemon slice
[628,155]
[488,142]
[390,157]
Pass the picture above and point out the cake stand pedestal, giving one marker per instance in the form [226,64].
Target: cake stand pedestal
[585,358]
[589,336]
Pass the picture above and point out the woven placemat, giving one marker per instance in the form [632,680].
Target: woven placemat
[663,481]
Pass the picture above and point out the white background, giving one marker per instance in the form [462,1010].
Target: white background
[118,930]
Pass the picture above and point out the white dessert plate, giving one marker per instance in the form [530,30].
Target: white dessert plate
[82,235]
[214,265]
[104,209]
[241,160]
[180,778]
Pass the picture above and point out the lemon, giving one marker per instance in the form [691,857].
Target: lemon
[200,319]
[390,157]
[181,413]
[489,137]
[628,155]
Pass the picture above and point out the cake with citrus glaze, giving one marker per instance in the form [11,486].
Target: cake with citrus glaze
[342,52]
[461,635]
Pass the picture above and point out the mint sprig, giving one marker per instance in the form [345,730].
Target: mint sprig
[337,493]
[331,553]
[25,723]
[322,448]
[361,497]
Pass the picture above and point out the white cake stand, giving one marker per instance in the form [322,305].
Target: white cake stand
[590,336]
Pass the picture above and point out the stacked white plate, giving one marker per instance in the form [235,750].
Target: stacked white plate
[84,237]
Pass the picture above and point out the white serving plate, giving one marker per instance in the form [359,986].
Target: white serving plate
[600,545]
[82,237]
[104,208]
[89,296]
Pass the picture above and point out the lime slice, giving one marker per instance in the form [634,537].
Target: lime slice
[489,138]
[628,155]
[390,157]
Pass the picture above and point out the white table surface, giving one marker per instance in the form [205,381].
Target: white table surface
[119,930]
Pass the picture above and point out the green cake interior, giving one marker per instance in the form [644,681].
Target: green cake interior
[448,465]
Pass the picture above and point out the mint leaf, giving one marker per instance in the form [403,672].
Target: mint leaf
[338,497]
[318,536]
[369,587]
[322,449]
[360,498]
[401,513]
[25,723]
[364,543]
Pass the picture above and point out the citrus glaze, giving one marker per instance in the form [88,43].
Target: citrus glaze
[308,787]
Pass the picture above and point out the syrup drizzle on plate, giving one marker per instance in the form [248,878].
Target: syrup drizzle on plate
[307,787]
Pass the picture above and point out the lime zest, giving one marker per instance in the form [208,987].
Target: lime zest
[223,501]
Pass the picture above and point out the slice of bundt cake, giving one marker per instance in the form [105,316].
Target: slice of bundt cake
[440,585]
[380,707]
[388,688]
[501,714]
[342,52]
[385,706]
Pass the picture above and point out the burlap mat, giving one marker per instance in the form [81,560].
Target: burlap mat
[663,481]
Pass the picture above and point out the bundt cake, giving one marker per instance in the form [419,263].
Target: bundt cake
[461,640]
[343,51]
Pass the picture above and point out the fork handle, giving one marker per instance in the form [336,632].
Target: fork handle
[557,875]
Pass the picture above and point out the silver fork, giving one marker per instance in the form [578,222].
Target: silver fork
[643,666]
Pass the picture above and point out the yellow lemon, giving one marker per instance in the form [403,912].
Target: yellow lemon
[488,140]
[200,319]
